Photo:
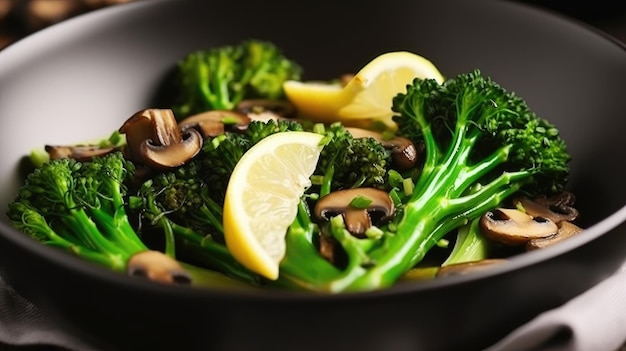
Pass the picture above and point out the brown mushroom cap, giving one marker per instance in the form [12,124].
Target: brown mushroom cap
[173,155]
[158,267]
[81,153]
[154,139]
[514,227]
[404,154]
[357,220]
[554,212]
[266,109]
[215,122]
[566,230]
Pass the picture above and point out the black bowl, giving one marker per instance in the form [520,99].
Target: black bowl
[85,76]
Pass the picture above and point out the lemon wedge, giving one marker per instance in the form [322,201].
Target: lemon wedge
[262,197]
[367,97]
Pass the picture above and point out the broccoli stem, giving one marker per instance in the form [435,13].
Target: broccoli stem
[35,224]
[118,230]
[211,253]
[303,267]
[470,245]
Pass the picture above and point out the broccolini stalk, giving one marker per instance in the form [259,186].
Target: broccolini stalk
[482,144]
[302,264]
[494,140]
[470,244]
[177,203]
[80,207]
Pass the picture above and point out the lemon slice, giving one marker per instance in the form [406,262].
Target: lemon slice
[262,197]
[367,96]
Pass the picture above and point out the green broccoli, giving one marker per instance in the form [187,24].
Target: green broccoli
[348,162]
[482,144]
[80,207]
[220,154]
[186,202]
[178,205]
[219,78]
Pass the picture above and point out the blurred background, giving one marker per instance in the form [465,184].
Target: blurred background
[19,18]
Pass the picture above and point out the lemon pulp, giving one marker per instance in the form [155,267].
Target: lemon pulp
[367,97]
[262,197]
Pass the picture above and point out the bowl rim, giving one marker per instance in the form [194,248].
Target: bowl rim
[36,40]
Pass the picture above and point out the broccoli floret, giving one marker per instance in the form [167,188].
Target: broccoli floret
[82,208]
[348,162]
[79,207]
[186,202]
[482,144]
[221,77]
[179,205]
[496,130]
[220,154]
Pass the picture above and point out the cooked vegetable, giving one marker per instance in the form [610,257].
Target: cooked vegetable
[379,201]
[220,154]
[81,207]
[349,162]
[154,139]
[186,203]
[482,144]
[177,204]
[220,78]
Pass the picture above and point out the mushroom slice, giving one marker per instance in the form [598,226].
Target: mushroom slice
[81,153]
[468,267]
[154,139]
[215,122]
[266,109]
[514,227]
[566,230]
[157,266]
[555,211]
[404,153]
[357,219]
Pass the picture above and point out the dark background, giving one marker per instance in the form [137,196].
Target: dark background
[606,15]
[22,17]
[19,18]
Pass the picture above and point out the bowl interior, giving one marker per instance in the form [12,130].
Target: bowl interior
[79,80]
[65,85]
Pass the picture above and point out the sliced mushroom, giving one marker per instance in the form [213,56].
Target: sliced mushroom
[215,122]
[154,139]
[468,267]
[566,230]
[358,220]
[266,109]
[78,152]
[554,210]
[404,154]
[158,267]
[514,227]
